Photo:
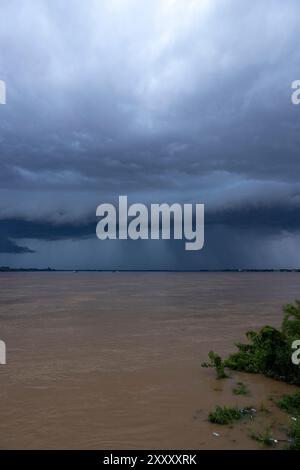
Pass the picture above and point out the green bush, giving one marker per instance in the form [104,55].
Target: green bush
[290,403]
[217,362]
[224,415]
[291,321]
[295,436]
[268,351]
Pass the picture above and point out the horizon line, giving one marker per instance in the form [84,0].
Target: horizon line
[74,270]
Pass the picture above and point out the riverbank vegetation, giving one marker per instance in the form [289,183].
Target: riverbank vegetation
[268,352]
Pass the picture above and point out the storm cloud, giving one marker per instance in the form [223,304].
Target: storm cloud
[165,101]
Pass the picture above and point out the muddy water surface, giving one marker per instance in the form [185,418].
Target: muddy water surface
[112,360]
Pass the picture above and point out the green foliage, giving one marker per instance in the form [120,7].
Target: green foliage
[291,321]
[265,352]
[290,403]
[268,351]
[266,437]
[224,415]
[295,436]
[216,361]
[240,389]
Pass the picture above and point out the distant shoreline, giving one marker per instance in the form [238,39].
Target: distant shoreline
[6,269]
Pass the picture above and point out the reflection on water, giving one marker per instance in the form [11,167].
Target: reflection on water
[112,360]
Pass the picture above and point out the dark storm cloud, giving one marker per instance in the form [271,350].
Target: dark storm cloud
[8,246]
[259,219]
[175,100]
[14,228]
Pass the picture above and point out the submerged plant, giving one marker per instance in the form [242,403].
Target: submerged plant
[216,361]
[224,415]
[266,438]
[240,389]
[290,403]
[295,436]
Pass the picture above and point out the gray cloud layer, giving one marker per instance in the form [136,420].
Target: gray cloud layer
[168,100]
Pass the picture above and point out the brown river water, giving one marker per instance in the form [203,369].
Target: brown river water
[113,360]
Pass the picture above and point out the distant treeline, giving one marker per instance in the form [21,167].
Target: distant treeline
[9,269]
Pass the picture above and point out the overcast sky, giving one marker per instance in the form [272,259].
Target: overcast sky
[162,100]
